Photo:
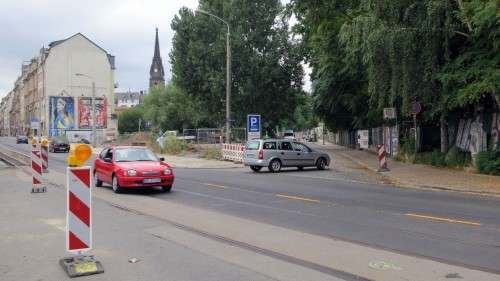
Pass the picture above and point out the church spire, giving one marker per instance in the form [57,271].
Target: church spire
[157,46]
[156,72]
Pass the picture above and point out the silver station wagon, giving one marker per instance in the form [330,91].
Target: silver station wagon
[277,153]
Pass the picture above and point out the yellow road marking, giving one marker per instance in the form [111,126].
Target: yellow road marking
[298,198]
[443,219]
[214,185]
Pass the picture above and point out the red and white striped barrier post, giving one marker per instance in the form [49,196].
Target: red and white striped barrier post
[381,159]
[36,169]
[45,156]
[79,217]
[79,205]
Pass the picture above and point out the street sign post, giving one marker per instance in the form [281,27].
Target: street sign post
[253,126]
[389,113]
[416,107]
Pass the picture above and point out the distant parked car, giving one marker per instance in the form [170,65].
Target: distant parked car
[132,167]
[277,153]
[289,134]
[22,139]
[59,145]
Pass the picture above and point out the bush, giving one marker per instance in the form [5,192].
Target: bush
[434,158]
[488,162]
[128,120]
[456,158]
[212,153]
[174,146]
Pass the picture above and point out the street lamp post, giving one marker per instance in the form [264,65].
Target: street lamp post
[228,75]
[93,108]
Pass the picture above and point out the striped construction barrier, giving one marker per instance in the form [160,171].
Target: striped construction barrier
[79,215]
[45,158]
[381,159]
[233,152]
[36,170]
[78,212]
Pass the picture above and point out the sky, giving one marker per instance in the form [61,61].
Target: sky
[124,28]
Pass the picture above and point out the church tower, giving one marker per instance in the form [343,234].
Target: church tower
[156,72]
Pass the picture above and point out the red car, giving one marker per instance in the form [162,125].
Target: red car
[132,167]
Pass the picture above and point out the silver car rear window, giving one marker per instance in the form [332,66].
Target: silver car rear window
[253,145]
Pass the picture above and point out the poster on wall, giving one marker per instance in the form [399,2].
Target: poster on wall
[85,113]
[62,115]
[363,139]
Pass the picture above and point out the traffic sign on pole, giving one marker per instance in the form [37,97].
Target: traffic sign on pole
[253,126]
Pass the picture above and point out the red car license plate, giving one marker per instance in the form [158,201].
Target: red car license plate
[151,180]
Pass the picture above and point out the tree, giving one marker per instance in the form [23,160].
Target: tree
[128,120]
[367,55]
[169,108]
[473,74]
[266,70]
[339,85]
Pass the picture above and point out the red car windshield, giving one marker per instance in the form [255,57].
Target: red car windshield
[134,154]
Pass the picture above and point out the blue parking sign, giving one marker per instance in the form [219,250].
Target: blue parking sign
[253,126]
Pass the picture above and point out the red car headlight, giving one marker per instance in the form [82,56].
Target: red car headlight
[167,171]
[132,173]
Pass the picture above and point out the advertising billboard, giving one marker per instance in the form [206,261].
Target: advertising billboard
[85,113]
[61,115]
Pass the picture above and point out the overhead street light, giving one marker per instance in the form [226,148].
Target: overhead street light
[228,75]
[93,106]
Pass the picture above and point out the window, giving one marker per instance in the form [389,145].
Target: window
[103,153]
[134,154]
[109,154]
[269,145]
[252,145]
[301,147]
[286,146]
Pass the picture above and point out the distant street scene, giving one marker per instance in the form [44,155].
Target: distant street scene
[250,140]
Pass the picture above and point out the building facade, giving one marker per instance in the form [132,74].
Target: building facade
[129,99]
[55,89]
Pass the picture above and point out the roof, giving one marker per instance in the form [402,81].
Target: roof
[282,139]
[111,58]
[129,95]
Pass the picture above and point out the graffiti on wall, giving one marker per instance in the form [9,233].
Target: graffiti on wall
[495,131]
[471,136]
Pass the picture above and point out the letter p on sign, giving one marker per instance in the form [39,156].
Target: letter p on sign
[253,121]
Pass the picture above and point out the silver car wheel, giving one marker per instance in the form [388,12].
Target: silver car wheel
[275,166]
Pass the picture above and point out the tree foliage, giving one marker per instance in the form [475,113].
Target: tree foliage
[169,108]
[367,55]
[473,75]
[339,88]
[266,70]
[128,120]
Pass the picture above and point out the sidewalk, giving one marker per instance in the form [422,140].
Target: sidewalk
[419,176]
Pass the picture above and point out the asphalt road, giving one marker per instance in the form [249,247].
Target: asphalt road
[449,227]
[33,237]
